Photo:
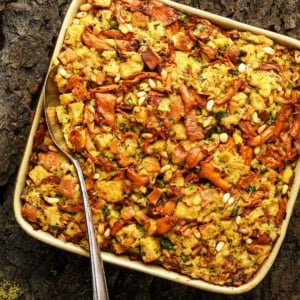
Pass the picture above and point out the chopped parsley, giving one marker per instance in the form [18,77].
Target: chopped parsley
[233,72]
[105,210]
[182,18]
[210,132]
[140,228]
[183,257]
[251,189]
[234,212]
[220,115]
[272,119]
[166,243]
[113,25]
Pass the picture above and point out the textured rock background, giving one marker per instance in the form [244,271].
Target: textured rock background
[28,31]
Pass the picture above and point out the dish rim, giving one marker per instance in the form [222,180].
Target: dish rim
[124,261]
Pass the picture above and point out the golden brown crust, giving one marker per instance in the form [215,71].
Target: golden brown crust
[187,136]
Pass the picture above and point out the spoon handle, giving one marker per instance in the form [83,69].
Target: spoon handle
[100,291]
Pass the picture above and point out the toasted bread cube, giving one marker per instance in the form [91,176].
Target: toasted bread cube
[102,3]
[38,174]
[150,249]
[73,229]
[103,141]
[133,65]
[76,112]
[66,99]
[139,19]
[111,190]
[62,115]
[186,212]
[129,236]
[53,216]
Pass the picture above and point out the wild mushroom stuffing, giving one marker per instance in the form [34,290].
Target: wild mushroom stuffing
[187,135]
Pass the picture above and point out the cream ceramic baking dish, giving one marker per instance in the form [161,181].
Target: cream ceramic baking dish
[124,261]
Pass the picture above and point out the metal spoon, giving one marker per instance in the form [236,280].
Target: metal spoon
[51,101]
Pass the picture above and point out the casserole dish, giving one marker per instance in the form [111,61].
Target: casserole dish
[123,260]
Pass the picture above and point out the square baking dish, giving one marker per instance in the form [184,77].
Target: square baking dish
[124,261]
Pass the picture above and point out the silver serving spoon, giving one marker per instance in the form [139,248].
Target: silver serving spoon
[51,101]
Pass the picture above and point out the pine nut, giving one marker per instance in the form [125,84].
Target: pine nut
[96,176]
[107,233]
[249,241]
[63,72]
[220,246]
[152,83]
[81,14]
[284,189]
[257,150]
[262,128]
[141,94]
[207,121]
[242,67]
[147,135]
[129,27]
[165,168]
[197,234]
[269,50]
[244,231]
[231,200]
[255,118]
[144,86]
[238,220]
[226,197]
[52,148]
[164,74]
[210,104]
[51,200]
[85,7]
[141,100]
[223,137]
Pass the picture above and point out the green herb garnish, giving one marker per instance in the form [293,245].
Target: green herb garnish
[234,212]
[220,115]
[166,243]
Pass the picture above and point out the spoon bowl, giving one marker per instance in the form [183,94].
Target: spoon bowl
[51,101]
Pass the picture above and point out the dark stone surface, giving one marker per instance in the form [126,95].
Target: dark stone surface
[28,31]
